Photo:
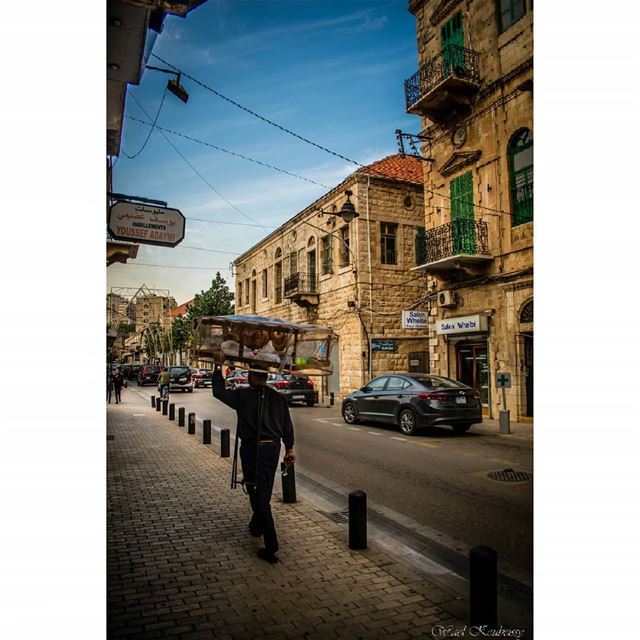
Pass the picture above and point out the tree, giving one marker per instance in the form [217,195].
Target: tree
[215,301]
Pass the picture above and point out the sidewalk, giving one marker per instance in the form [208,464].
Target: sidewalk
[180,563]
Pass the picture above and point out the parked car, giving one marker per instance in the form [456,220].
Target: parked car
[202,377]
[132,371]
[181,379]
[293,388]
[237,379]
[413,401]
[148,374]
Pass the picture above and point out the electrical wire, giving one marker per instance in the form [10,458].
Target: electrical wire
[184,246]
[333,153]
[242,224]
[233,206]
[233,153]
[170,266]
[153,124]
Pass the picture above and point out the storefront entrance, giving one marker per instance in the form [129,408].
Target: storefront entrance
[473,368]
[528,372]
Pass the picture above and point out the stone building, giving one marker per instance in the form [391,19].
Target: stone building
[153,309]
[353,277]
[474,94]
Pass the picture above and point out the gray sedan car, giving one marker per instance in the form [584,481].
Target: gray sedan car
[414,400]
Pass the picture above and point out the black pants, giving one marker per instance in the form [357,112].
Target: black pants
[263,459]
[117,389]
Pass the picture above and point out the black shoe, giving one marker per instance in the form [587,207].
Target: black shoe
[269,556]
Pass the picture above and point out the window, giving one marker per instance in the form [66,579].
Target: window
[265,284]
[326,255]
[377,384]
[421,246]
[463,226]
[293,263]
[395,384]
[344,246]
[246,291]
[521,177]
[510,11]
[278,282]
[388,242]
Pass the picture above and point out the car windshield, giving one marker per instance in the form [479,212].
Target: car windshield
[152,369]
[180,370]
[438,382]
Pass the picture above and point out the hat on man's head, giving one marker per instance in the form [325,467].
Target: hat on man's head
[258,367]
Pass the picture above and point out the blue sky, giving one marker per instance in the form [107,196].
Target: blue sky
[332,71]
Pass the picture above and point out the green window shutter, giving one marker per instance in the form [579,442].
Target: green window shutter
[452,43]
[521,177]
[463,226]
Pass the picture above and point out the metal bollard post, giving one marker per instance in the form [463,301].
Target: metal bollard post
[288,483]
[505,421]
[181,417]
[153,402]
[483,586]
[158,404]
[172,411]
[332,399]
[191,428]
[206,432]
[165,406]
[225,440]
[357,520]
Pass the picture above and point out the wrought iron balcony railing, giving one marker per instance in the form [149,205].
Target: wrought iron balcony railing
[458,237]
[452,62]
[300,284]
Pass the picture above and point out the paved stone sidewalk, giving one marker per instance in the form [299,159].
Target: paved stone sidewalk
[180,563]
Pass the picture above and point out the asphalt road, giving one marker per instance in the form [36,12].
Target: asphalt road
[438,479]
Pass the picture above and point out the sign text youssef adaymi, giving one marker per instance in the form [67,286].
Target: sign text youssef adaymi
[146,224]
[415,320]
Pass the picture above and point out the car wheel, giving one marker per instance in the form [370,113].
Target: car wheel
[407,422]
[461,428]
[349,413]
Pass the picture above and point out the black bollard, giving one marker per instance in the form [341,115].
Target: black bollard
[153,402]
[158,404]
[206,432]
[288,483]
[191,428]
[172,411]
[332,399]
[181,417]
[483,586]
[357,520]
[165,406]
[225,443]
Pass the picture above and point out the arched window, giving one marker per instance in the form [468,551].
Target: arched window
[520,153]
[526,315]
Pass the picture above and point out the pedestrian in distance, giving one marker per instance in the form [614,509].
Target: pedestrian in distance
[117,384]
[263,423]
[109,386]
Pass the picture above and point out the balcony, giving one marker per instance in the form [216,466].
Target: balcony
[302,289]
[458,245]
[444,84]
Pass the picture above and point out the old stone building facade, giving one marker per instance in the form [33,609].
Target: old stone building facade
[474,94]
[353,277]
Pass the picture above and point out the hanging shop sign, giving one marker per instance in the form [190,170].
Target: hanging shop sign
[146,224]
[463,324]
[389,346]
[415,320]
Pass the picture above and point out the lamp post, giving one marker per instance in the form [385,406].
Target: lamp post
[173,85]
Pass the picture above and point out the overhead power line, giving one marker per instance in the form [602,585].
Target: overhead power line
[233,153]
[153,124]
[233,206]
[173,266]
[314,144]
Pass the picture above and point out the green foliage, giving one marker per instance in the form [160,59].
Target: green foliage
[215,301]
[181,331]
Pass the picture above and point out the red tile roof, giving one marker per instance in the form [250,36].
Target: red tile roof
[181,310]
[396,166]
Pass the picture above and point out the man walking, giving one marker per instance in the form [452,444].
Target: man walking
[263,422]
[117,384]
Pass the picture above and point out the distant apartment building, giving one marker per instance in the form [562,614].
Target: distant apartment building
[118,311]
[473,92]
[153,309]
[354,277]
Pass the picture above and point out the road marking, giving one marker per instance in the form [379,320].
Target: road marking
[426,444]
[321,420]
[338,424]
[465,453]
[501,461]
[138,414]
[354,428]
[373,433]
[396,438]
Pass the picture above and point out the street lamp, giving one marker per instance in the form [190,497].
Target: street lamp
[174,85]
[348,211]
